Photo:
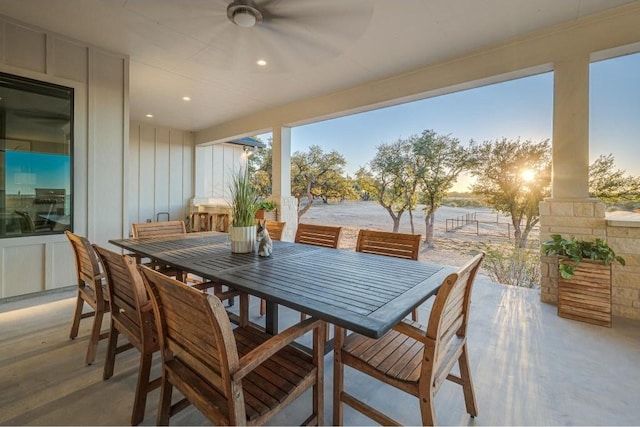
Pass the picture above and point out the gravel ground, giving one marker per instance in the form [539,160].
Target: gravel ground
[451,247]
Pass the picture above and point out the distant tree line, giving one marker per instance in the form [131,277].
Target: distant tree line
[512,176]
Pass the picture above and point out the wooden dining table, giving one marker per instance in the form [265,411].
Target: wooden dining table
[364,293]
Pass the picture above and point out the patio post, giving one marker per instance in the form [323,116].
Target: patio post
[281,180]
[569,211]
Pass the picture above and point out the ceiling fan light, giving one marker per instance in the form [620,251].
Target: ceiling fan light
[243,13]
[244,18]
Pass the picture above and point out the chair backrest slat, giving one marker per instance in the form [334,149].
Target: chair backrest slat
[127,295]
[194,329]
[398,245]
[157,229]
[449,314]
[318,235]
[87,264]
[275,229]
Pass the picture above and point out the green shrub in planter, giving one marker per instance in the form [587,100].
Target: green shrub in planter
[577,250]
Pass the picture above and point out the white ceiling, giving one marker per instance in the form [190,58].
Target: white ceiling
[189,48]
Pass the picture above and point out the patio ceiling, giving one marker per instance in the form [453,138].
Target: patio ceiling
[312,47]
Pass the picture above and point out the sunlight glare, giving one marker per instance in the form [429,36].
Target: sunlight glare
[528,175]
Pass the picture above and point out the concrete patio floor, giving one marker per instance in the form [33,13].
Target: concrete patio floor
[529,367]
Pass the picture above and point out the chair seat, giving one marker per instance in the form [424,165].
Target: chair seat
[266,388]
[394,355]
[398,356]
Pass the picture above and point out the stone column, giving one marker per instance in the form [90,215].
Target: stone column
[281,179]
[569,211]
[571,128]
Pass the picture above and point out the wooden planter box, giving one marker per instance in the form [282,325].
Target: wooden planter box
[587,296]
[267,215]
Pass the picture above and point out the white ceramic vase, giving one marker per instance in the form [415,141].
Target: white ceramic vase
[243,239]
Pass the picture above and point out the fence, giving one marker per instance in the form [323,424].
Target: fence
[486,228]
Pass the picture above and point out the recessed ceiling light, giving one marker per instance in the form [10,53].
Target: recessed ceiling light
[149,115]
[186,98]
[261,62]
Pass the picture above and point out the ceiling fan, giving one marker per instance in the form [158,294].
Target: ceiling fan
[286,34]
[244,13]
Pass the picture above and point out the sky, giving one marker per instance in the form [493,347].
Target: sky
[30,170]
[521,108]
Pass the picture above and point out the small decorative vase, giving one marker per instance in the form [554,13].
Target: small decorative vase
[243,239]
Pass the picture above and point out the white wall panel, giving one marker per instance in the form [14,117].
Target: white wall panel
[161,164]
[25,47]
[70,60]
[23,269]
[214,164]
[176,162]
[134,169]
[207,166]
[218,184]
[60,265]
[188,170]
[146,178]
[106,145]
[161,184]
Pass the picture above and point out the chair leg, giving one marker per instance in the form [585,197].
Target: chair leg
[318,388]
[467,383]
[427,409]
[263,306]
[77,315]
[142,388]
[94,339]
[164,406]
[338,375]
[414,315]
[112,347]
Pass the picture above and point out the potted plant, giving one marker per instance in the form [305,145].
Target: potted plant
[584,282]
[244,204]
[266,210]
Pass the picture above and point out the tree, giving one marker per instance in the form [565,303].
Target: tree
[393,180]
[439,159]
[365,184]
[500,167]
[609,184]
[316,174]
[260,164]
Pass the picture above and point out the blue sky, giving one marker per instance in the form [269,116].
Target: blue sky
[518,108]
[37,170]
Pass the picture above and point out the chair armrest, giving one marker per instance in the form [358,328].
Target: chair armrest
[147,306]
[411,331]
[228,294]
[270,347]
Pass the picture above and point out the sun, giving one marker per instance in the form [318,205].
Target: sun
[528,175]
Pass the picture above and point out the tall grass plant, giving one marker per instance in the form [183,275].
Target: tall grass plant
[244,199]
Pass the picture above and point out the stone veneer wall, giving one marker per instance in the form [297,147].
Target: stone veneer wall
[585,219]
[288,212]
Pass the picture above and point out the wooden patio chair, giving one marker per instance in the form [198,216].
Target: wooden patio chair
[157,229]
[275,229]
[397,245]
[410,358]
[201,221]
[131,316]
[144,230]
[90,290]
[238,376]
[318,235]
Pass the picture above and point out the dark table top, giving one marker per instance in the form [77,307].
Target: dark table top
[364,293]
